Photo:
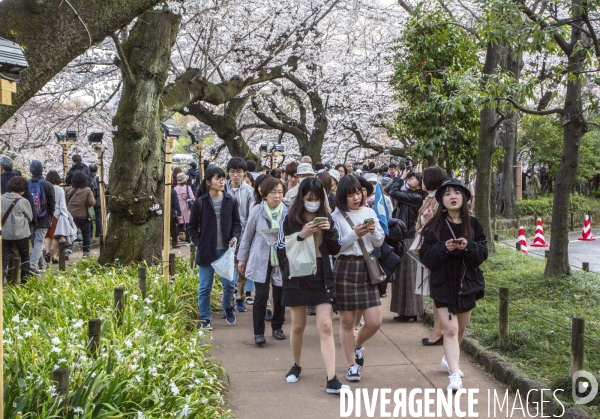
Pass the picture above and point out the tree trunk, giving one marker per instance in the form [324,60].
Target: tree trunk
[508,199]
[136,172]
[53,36]
[558,260]
[487,143]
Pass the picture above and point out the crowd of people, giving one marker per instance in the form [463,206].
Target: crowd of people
[40,212]
[314,238]
[322,240]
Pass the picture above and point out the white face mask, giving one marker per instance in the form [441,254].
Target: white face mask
[312,206]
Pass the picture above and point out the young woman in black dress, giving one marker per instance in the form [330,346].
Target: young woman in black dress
[454,246]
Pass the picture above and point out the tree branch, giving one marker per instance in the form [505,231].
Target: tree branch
[562,43]
[363,142]
[123,64]
[559,111]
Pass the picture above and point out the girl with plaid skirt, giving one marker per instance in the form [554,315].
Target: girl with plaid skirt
[352,287]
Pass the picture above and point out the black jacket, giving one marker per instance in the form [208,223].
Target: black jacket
[203,226]
[46,221]
[79,167]
[330,246]
[6,176]
[175,208]
[457,272]
[408,204]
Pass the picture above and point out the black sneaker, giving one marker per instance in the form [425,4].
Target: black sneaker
[353,373]
[292,376]
[260,339]
[358,356]
[269,315]
[205,325]
[278,334]
[229,315]
[334,386]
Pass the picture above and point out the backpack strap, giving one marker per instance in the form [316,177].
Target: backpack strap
[9,210]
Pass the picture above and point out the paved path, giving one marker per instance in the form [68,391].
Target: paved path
[394,358]
[579,251]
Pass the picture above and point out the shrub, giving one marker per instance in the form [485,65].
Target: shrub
[154,365]
[543,205]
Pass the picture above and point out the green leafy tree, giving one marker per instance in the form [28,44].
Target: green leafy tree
[435,61]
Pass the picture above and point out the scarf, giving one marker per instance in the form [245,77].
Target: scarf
[273,215]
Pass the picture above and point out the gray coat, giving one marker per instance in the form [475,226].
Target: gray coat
[245,196]
[254,249]
[17,223]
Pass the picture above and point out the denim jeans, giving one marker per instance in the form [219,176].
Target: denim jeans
[37,255]
[206,274]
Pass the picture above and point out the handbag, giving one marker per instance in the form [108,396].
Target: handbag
[91,213]
[376,273]
[301,255]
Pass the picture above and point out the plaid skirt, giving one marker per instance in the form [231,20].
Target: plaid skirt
[351,287]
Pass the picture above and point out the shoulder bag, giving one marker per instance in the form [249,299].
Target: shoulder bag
[9,210]
[376,273]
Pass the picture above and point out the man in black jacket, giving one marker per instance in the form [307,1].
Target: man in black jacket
[44,220]
[95,186]
[78,166]
[214,226]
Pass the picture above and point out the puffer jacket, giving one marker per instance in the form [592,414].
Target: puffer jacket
[408,204]
[454,273]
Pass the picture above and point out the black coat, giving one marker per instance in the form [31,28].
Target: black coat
[330,247]
[456,272]
[203,226]
[79,167]
[175,208]
[407,206]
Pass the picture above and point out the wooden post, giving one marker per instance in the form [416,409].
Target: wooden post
[577,344]
[142,280]
[100,152]
[65,146]
[192,256]
[119,303]
[167,206]
[496,238]
[572,225]
[518,246]
[586,266]
[61,255]
[60,376]
[503,313]
[16,272]
[546,253]
[94,330]
[171,265]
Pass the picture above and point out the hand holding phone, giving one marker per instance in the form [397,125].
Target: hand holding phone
[368,221]
[318,220]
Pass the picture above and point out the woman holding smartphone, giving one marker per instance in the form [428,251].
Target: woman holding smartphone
[352,287]
[309,219]
[453,247]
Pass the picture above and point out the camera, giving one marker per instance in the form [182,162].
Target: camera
[408,164]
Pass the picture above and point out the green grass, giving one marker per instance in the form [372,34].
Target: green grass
[539,348]
[155,365]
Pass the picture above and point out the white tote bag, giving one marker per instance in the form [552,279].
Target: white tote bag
[302,255]
[225,265]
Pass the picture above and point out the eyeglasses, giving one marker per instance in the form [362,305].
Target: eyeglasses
[276,193]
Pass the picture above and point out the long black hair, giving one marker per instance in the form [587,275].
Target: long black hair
[348,185]
[208,175]
[436,223]
[309,186]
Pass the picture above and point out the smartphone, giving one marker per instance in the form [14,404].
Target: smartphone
[456,241]
[318,220]
[369,221]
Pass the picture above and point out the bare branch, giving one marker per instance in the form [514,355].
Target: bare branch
[123,64]
[559,111]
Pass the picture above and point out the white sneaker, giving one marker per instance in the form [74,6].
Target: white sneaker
[447,368]
[455,382]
